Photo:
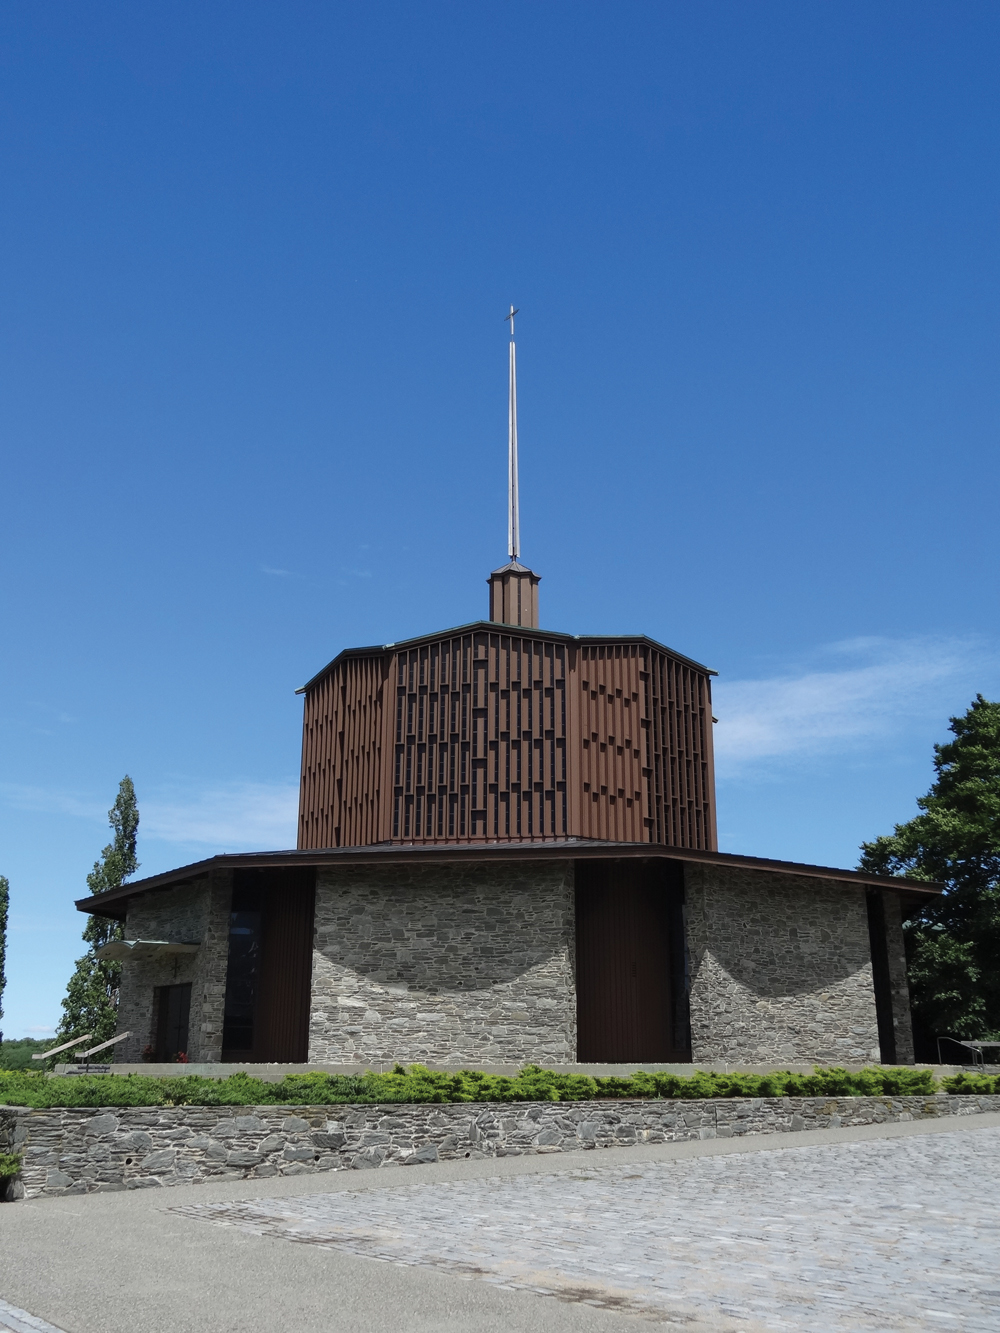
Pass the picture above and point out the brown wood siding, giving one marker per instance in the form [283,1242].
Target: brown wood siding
[478,740]
[681,759]
[630,983]
[341,779]
[282,990]
[611,739]
[498,736]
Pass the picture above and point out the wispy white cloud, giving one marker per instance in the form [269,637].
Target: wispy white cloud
[281,573]
[233,816]
[45,800]
[851,694]
[228,816]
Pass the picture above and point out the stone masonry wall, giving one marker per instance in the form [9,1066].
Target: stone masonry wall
[196,912]
[75,1150]
[780,967]
[446,963]
[901,1021]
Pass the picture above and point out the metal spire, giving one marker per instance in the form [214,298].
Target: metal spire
[513,507]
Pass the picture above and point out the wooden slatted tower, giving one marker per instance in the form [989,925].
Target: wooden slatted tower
[502,731]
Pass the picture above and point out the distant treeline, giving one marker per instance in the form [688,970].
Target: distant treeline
[17,1054]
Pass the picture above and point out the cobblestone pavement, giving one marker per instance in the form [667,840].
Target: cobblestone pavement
[13,1320]
[897,1234]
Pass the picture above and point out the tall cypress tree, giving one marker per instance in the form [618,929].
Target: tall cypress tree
[91,1001]
[4,904]
[953,945]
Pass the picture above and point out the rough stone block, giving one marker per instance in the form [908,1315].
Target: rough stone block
[428,1153]
[159,1161]
[101,1125]
[293,1154]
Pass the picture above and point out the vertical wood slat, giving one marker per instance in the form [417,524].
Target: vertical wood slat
[563,770]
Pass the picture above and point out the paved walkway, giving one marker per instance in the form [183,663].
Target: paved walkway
[885,1228]
[20,1321]
[899,1234]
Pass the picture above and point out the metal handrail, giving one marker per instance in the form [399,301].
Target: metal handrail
[976,1047]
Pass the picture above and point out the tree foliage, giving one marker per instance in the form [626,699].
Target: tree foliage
[4,905]
[17,1054]
[953,946]
[91,1001]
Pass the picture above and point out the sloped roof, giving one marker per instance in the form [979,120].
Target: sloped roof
[114,902]
[495,627]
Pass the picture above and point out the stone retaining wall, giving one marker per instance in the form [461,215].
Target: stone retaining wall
[82,1150]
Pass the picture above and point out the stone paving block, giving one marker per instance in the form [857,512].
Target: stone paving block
[881,1236]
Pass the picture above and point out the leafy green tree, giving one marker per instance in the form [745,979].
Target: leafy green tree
[91,1001]
[953,945]
[4,904]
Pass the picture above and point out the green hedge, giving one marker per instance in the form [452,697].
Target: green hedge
[969,1085]
[417,1084]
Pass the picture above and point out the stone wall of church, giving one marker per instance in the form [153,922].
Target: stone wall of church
[447,963]
[195,912]
[780,968]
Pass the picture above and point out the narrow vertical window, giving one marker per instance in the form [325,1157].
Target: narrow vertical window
[242,974]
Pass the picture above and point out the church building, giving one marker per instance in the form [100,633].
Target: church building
[507,853]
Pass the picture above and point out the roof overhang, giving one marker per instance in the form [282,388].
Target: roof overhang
[495,627]
[114,902]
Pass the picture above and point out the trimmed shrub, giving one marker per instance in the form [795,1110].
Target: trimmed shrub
[419,1084]
[965,1085]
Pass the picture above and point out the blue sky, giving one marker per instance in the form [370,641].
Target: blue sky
[254,262]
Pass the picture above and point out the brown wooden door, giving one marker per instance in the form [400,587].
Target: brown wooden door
[270,979]
[282,1020]
[630,1000]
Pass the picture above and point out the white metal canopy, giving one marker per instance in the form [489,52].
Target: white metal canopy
[118,950]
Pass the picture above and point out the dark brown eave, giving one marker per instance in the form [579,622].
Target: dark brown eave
[114,902]
[495,627]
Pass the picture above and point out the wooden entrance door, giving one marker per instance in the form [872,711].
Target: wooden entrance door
[268,987]
[631,1003]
